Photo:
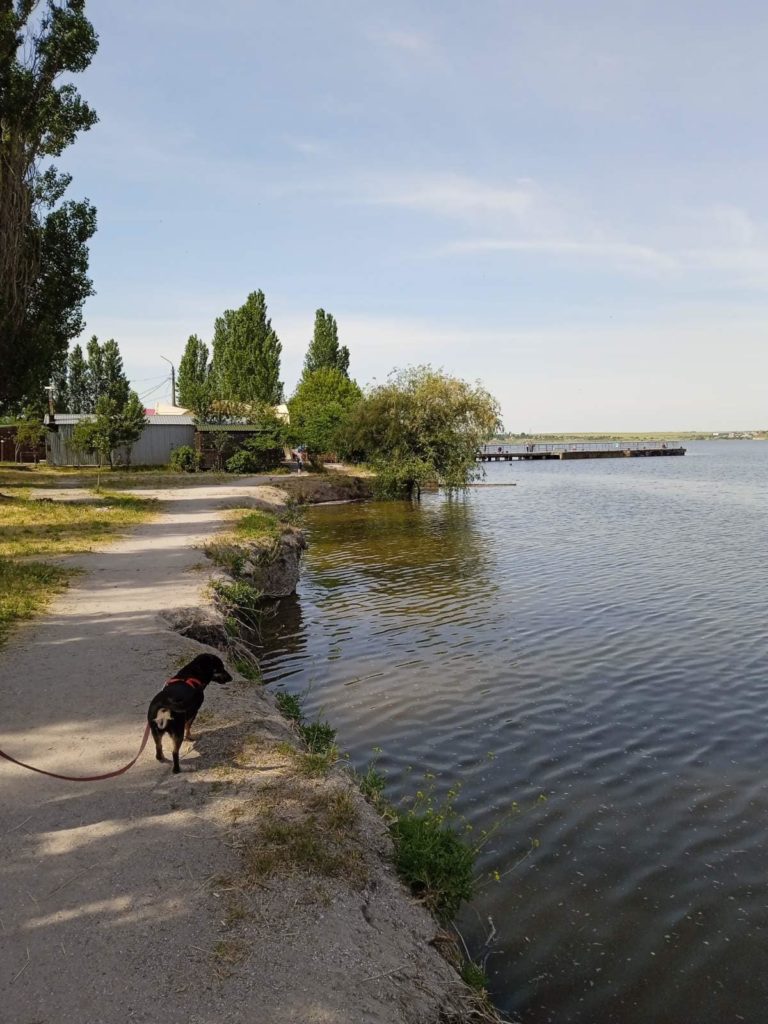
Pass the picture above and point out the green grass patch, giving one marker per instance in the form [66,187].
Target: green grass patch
[258,525]
[289,705]
[238,596]
[32,528]
[319,736]
[249,669]
[432,858]
[26,589]
[372,784]
[474,976]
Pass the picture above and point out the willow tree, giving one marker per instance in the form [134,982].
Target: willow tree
[423,427]
[43,238]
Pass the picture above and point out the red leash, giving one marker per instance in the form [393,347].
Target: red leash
[191,681]
[82,778]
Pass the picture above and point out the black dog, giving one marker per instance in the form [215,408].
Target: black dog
[174,709]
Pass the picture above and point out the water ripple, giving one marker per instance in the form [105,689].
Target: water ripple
[596,635]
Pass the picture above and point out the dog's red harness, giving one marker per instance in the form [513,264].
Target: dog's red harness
[194,683]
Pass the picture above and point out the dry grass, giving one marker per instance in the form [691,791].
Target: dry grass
[88,476]
[33,528]
[296,828]
[26,589]
[312,764]
[30,529]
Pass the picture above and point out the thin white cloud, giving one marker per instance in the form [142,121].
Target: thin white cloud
[454,196]
[406,41]
[628,254]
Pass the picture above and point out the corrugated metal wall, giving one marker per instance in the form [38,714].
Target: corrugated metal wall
[152,449]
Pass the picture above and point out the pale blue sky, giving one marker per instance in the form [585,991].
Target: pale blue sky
[565,200]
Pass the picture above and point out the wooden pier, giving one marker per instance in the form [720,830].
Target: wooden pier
[587,450]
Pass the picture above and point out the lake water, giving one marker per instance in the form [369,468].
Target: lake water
[597,635]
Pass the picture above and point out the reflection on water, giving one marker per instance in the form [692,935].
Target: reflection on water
[600,629]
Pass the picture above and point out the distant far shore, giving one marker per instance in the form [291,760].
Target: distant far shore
[649,435]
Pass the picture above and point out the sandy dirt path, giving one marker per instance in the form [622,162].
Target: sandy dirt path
[99,880]
[110,906]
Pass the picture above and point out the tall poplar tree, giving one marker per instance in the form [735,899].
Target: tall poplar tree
[78,394]
[100,375]
[43,238]
[194,383]
[324,352]
[246,355]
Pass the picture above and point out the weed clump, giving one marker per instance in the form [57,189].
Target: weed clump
[474,976]
[319,736]
[432,858]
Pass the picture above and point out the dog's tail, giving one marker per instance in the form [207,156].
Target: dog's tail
[162,718]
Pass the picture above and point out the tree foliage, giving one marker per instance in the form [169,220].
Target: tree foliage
[88,378]
[324,352]
[246,354]
[43,239]
[320,407]
[113,426]
[29,434]
[194,381]
[423,428]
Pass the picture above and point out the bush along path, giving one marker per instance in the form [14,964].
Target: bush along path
[256,886]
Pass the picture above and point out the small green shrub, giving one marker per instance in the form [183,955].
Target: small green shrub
[241,462]
[184,459]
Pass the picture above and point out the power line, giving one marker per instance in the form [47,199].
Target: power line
[157,387]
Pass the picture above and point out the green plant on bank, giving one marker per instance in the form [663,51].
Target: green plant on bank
[319,737]
[432,856]
[253,525]
[184,459]
[474,976]
[433,853]
[248,667]
[258,525]
[289,705]
[226,555]
[238,596]
[372,782]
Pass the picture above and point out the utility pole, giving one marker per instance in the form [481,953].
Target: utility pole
[50,389]
[173,381]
